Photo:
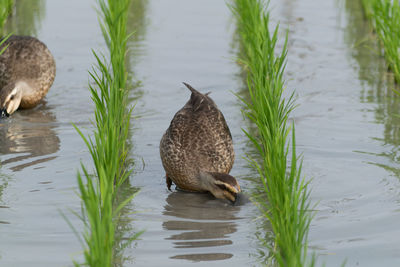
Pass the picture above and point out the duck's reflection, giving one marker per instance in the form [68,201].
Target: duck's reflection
[200,222]
[28,137]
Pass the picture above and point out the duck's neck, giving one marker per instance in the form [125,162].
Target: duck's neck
[205,180]
[29,96]
[25,89]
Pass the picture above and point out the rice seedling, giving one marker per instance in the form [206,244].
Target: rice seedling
[108,146]
[32,12]
[287,205]
[368,7]
[387,21]
[5,10]
[385,18]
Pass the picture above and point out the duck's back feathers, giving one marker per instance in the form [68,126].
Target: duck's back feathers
[28,60]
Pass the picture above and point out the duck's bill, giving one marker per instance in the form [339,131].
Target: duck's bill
[4,113]
[240,199]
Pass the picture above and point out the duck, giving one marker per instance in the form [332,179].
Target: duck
[27,71]
[197,149]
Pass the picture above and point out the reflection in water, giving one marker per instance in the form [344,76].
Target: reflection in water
[3,185]
[125,230]
[286,13]
[27,135]
[137,19]
[26,18]
[376,82]
[203,222]
[263,234]
[137,27]
[203,257]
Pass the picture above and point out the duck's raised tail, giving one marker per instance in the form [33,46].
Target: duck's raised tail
[191,88]
[198,101]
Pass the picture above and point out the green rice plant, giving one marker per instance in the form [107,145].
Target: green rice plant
[5,10]
[26,18]
[108,146]
[287,205]
[368,6]
[386,18]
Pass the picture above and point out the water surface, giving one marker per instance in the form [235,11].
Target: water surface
[346,129]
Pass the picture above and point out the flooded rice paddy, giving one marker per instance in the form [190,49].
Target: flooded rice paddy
[346,127]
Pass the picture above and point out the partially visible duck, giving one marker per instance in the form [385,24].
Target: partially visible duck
[197,150]
[27,71]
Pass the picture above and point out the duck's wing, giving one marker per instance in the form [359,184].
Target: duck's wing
[198,138]
[215,147]
[28,59]
[6,64]
[173,151]
[207,138]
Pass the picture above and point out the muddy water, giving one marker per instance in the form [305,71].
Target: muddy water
[346,128]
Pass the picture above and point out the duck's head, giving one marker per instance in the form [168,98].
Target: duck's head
[10,98]
[221,185]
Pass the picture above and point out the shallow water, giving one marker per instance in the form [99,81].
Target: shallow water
[345,126]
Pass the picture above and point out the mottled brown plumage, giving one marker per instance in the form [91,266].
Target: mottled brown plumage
[197,151]
[27,71]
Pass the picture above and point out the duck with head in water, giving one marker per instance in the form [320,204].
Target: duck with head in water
[197,150]
[27,71]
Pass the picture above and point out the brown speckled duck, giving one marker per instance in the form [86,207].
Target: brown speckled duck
[27,71]
[197,150]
